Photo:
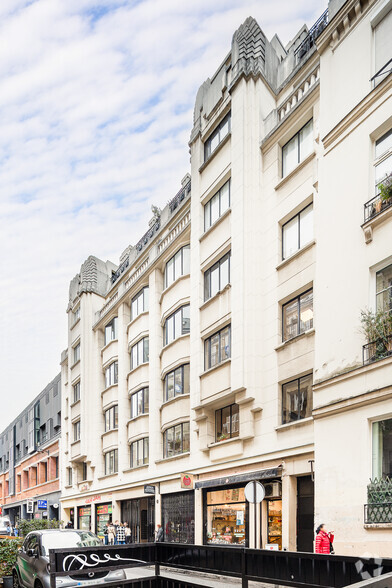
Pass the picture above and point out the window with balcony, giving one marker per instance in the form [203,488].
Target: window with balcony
[111,462]
[382,449]
[297,149]
[76,353]
[140,303]
[76,431]
[217,348]
[217,205]
[382,177]
[227,422]
[176,440]
[176,382]
[111,418]
[217,277]
[139,452]
[379,490]
[297,315]
[217,136]
[178,265]
[384,289]
[111,331]
[297,399]
[297,232]
[76,391]
[177,324]
[140,403]
[140,353]
[111,374]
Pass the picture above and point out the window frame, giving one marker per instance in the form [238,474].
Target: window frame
[145,302]
[112,454]
[143,392]
[208,152]
[184,270]
[141,342]
[76,391]
[380,158]
[298,299]
[112,380]
[207,205]
[112,328]
[207,342]
[110,417]
[165,441]
[219,410]
[76,431]
[76,353]
[143,443]
[299,158]
[166,382]
[174,315]
[300,245]
[298,380]
[207,276]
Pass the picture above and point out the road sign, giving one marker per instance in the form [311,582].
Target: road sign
[254,492]
[148,489]
[42,504]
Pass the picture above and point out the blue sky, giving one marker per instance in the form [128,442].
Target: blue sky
[96,104]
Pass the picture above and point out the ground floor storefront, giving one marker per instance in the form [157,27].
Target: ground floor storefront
[43,506]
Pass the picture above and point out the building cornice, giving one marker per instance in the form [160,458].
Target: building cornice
[353,402]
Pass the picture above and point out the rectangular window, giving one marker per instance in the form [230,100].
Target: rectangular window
[217,277]
[177,324]
[226,516]
[178,265]
[111,462]
[111,374]
[298,315]
[140,352]
[140,303]
[45,471]
[227,422]
[383,46]
[176,382]
[297,149]
[217,136]
[178,517]
[139,452]
[217,348]
[69,476]
[76,431]
[297,399]
[382,449]
[384,289]
[76,391]
[139,403]
[84,471]
[111,418]
[176,440]
[297,232]
[217,205]
[76,353]
[75,315]
[383,161]
[56,467]
[111,331]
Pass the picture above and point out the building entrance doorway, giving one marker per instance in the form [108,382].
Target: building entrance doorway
[139,513]
[305,514]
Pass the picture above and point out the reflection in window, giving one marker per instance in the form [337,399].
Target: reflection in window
[382,449]
[297,399]
[139,402]
[297,232]
[227,423]
[177,324]
[176,440]
[299,147]
[217,205]
[217,277]
[178,265]
[176,382]
[298,315]
[384,289]
[217,348]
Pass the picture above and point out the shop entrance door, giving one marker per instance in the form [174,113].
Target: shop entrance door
[305,514]
[139,513]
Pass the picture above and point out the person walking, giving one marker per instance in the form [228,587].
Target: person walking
[111,534]
[120,535]
[324,540]
[105,533]
[128,533]
[159,534]
[116,526]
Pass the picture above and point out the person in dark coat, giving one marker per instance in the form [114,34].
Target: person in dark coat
[159,534]
[324,540]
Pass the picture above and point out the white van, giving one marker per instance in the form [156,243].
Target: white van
[4,523]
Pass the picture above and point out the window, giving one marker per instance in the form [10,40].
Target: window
[76,353]
[139,303]
[69,476]
[297,232]
[111,374]
[111,331]
[216,206]
[139,452]
[226,516]
[298,315]
[176,440]
[76,391]
[140,352]
[139,402]
[178,265]
[45,471]
[177,324]
[111,418]
[384,289]
[217,277]
[383,159]
[217,348]
[56,467]
[84,471]
[76,315]
[383,46]
[227,422]
[382,449]
[111,462]
[176,382]
[299,147]
[178,517]
[217,136]
[76,431]
[297,399]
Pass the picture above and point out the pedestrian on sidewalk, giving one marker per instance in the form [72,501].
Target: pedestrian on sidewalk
[128,533]
[111,534]
[120,535]
[159,534]
[324,540]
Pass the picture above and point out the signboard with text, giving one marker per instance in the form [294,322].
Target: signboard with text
[148,489]
[42,504]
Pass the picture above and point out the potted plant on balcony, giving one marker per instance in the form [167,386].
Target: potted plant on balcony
[385,188]
[377,328]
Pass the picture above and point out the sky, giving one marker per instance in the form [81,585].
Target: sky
[96,109]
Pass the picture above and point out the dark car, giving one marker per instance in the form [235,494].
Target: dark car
[32,565]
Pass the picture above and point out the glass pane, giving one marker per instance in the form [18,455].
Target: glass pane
[214,354]
[107,423]
[382,170]
[207,290]
[214,279]
[185,437]
[145,450]
[178,439]
[214,204]
[305,397]
[186,379]
[218,425]
[235,420]
[115,417]
[306,141]
[290,155]
[224,197]
[146,349]
[207,222]
[214,141]
[170,385]
[169,442]
[290,401]
[115,372]
[225,344]
[225,271]
[169,330]
[290,320]
[169,276]
[108,333]
[140,402]
[133,356]
[224,129]
[306,225]
[146,400]
[290,237]
[178,264]
[186,260]
[134,309]
[226,423]
[186,321]
[178,387]
[146,298]
[134,405]
[384,144]
[306,312]
[177,324]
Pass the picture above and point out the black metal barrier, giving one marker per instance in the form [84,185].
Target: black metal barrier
[274,567]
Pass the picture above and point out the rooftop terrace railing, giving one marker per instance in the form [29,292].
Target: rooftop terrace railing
[314,32]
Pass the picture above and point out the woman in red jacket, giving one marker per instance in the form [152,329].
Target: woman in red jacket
[324,540]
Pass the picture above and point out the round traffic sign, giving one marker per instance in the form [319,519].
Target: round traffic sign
[254,492]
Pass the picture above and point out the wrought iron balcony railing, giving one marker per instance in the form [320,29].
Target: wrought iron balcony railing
[179,197]
[375,206]
[310,38]
[376,350]
[378,513]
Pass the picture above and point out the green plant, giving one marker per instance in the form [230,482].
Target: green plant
[385,188]
[8,552]
[25,526]
[376,325]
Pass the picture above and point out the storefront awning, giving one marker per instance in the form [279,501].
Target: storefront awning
[238,479]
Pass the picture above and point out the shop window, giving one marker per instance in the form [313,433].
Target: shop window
[382,449]
[217,277]
[297,149]
[103,516]
[111,418]
[84,518]
[275,522]
[297,401]
[76,392]
[176,440]
[217,348]
[139,303]
[111,462]
[140,352]
[384,289]
[111,374]
[178,265]
[76,353]
[226,513]
[217,136]
[178,517]
[227,422]
[139,452]
[297,232]
[177,324]
[111,331]
[176,382]
[297,315]
[216,206]
[140,402]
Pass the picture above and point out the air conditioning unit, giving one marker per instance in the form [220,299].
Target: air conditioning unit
[273,490]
